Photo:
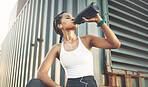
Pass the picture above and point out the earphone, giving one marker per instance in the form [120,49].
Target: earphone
[61,26]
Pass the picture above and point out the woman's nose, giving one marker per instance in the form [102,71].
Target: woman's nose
[73,19]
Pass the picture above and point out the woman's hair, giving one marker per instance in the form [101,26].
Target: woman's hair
[57,20]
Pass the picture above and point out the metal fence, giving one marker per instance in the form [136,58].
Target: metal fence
[32,36]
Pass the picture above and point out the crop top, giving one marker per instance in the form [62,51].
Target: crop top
[78,62]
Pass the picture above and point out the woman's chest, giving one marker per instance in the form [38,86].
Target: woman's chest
[79,56]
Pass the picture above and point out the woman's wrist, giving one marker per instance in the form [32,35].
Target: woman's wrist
[98,19]
[101,22]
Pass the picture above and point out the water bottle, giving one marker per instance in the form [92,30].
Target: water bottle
[88,13]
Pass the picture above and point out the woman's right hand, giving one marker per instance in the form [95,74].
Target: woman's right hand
[59,86]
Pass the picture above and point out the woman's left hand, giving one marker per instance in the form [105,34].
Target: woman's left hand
[96,19]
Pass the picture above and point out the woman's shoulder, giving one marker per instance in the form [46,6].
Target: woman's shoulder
[86,38]
[57,49]
[57,46]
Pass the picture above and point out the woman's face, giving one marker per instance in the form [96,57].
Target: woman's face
[67,21]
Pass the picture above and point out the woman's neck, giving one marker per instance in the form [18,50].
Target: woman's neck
[69,36]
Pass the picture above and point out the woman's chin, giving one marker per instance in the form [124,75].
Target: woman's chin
[75,27]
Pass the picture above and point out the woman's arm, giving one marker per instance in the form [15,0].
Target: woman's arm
[110,42]
[42,73]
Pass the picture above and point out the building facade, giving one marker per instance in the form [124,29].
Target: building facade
[32,36]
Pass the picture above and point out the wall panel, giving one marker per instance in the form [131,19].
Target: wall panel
[128,20]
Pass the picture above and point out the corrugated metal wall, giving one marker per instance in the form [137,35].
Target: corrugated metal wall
[32,36]
[129,21]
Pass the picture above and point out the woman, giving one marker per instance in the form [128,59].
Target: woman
[75,53]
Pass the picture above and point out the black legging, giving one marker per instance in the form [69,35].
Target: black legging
[86,81]
[35,83]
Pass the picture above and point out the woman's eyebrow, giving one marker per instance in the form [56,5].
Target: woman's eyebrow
[67,16]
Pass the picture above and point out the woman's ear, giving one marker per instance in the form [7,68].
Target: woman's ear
[60,26]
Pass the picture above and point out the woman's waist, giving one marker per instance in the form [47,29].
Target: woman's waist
[88,77]
[80,74]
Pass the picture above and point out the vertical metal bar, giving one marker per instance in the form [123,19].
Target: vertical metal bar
[12,45]
[57,63]
[44,26]
[65,5]
[10,55]
[69,6]
[31,54]
[62,77]
[107,51]
[28,43]
[6,76]
[140,81]
[74,7]
[44,32]
[128,81]
[75,11]
[36,27]
[39,39]
[55,66]
[112,80]
[62,72]
[82,28]
[35,37]
[48,29]
[20,50]
[17,50]
[13,56]
[145,82]
[51,24]
[8,47]
[5,67]
[23,45]
[20,47]
[52,74]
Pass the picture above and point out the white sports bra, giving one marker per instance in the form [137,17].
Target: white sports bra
[78,62]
